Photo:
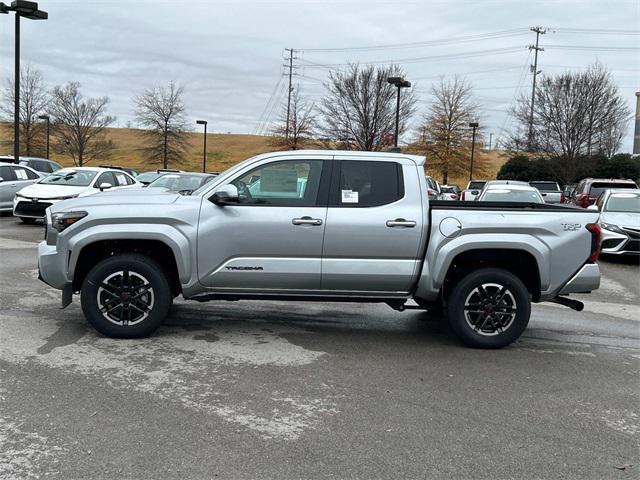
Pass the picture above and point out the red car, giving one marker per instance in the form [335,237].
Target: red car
[589,189]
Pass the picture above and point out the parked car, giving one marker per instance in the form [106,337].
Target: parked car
[147,177]
[620,221]
[38,164]
[184,183]
[588,190]
[12,178]
[30,203]
[472,190]
[449,192]
[338,225]
[550,191]
[510,193]
[433,188]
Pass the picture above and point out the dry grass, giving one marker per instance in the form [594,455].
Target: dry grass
[223,151]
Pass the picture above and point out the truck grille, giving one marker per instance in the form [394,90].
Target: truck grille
[31,209]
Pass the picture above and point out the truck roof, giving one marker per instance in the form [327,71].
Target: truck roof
[417,159]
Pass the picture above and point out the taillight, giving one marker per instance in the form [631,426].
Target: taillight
[462,197]
[596,237]
[561,197]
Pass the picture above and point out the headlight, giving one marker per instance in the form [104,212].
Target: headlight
[612,228]
[62,220]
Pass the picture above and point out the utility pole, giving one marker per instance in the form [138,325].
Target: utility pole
[474,126]
[539,31]
[490,140]
[290,66]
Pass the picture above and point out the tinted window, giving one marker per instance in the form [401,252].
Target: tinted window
[106,177]
[476,185]
[545,186]
[6,173]
[25,174]
[41,166]
[369,184]
[289,183]
[598,187]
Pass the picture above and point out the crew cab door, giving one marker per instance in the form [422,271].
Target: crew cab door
[375,225]
[272,239]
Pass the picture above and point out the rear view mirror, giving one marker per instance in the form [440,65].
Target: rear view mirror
[186,191]
[104,186]
[225,195]
[474,192]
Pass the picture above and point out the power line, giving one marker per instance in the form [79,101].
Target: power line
[444,41]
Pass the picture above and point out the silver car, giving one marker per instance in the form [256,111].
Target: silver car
[620,221]
[13,178]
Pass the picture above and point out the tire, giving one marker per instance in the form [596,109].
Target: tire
[489,308]
[133,311]
[28,220]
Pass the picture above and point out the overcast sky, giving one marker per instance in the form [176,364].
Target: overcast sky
[229,54]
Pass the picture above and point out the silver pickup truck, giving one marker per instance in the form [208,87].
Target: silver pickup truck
[321,226]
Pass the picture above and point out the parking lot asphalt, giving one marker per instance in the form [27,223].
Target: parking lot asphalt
[312,390]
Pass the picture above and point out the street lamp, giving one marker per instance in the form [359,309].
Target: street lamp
[26,9]
[46,117]
[204,150]
[474,126]
[400,83]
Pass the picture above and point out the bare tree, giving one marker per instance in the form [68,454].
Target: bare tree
[359,107]
[575,113]
[79,124]
[445,134]
[161,112]
[33,101]
[302,123]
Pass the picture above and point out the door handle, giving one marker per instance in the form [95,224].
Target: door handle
[306,221]
[401,222]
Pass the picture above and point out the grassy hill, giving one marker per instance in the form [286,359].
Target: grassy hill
[223,151]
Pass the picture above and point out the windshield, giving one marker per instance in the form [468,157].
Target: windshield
[476,185]
[545,186]
[175,183]
[623,202]
[504,195]
[70,178]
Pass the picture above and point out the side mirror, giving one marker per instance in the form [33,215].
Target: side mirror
[1,179]
[186,191]
[104,186]
[225,195]
[593,207]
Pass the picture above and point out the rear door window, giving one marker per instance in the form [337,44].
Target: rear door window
[7,173]
[106,177]
[25,174]
[368,184]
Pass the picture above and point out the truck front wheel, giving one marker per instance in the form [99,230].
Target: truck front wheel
[489,308]
[126,296]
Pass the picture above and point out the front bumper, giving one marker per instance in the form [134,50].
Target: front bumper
[614,243]
[52,266]
[586,280]
[27,207]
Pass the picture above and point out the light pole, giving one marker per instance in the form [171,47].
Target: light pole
[46,117]
[26,9]
[474,126]
[400,83]
[204,150]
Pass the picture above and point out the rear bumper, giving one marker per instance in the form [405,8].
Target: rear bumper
[52,266]
[586,280]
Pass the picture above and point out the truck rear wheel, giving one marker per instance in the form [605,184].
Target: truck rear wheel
[489,308]
[126,296]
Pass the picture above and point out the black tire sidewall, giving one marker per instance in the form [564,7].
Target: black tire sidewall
[455,308]
[146,267]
